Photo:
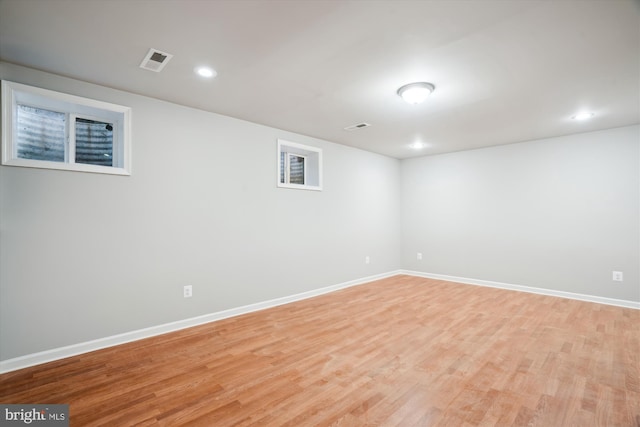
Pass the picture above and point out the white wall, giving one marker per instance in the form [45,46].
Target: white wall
[559,213]
[85,256]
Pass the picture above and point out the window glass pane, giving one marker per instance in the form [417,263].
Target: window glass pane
[94,142]
[296,169]
[282,166]
[41,134]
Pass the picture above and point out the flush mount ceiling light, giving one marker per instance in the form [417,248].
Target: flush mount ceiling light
[582,116]
[418,145]
[206,72]
[415,93]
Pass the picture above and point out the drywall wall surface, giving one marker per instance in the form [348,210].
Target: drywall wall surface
[85,256]
[559,213]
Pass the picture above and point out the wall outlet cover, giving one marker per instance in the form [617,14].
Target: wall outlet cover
[188,291]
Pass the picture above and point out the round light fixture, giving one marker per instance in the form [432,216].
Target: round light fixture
[206,72]
[415,93]
[418,145]
[582,116]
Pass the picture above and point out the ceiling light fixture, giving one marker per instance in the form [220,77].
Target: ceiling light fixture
[418,145]
[583,116]
[416,93]
[206,72]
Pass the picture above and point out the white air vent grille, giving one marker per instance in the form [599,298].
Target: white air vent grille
[155,60]
[357,126]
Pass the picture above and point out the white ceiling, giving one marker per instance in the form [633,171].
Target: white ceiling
[504,71]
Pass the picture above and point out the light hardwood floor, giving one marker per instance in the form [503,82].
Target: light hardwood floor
[402,351]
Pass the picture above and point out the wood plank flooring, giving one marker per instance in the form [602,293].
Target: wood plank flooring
[402,351]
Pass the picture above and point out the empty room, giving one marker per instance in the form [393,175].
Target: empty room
[320,213]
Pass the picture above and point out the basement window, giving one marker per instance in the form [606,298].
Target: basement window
[299,166]
[52,130]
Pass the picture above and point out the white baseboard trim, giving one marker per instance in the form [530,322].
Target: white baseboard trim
[85,347]
[529,289]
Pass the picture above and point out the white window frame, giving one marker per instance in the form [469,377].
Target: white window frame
[312,165]
[74,107]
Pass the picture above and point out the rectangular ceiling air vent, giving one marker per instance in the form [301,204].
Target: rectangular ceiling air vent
[356,127]
[155,60]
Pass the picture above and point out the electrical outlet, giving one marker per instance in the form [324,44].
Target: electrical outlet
[419,256]
[618,276]
[367,260]
[188,291]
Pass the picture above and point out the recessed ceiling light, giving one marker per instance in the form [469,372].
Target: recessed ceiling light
[583,116]
[415,93]
[206,72]
[418,145]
